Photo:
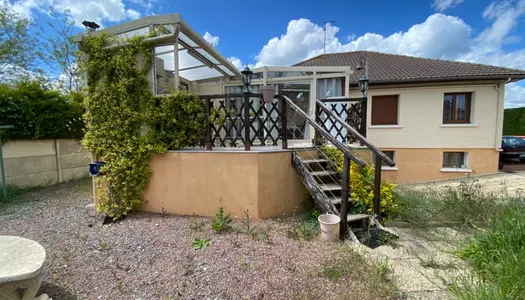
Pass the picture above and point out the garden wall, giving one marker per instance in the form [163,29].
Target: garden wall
[44,162]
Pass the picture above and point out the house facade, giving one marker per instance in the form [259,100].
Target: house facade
[437,119]
[424,119]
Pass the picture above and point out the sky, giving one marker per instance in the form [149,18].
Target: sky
[258,33]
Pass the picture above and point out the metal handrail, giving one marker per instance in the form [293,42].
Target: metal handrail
[356,134]
[346,150]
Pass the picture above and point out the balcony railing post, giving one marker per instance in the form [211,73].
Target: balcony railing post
[362,128]
[284,123]
[247,144]
[207,111]
[377,187]
[317,140]
[343,227]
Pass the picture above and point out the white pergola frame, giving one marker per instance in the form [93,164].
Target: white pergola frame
[180,27]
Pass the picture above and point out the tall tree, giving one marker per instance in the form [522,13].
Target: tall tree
[59,51]
[17,45]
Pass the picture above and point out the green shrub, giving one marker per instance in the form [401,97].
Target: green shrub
[221,223]
[37,112]
[362,185]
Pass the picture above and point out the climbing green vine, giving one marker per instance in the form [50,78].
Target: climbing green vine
[126,123]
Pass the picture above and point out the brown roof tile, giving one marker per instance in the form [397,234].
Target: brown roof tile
[393,68]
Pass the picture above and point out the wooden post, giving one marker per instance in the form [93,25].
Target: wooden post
[207,111]
[284,123]
[343,227]
[247,122]
[377,187]
[317,140]
[364,109]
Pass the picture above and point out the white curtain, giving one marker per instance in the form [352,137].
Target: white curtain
[332,87]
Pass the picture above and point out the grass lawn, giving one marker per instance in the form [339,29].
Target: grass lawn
[153,256]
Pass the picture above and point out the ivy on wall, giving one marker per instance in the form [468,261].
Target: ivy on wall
[126,123]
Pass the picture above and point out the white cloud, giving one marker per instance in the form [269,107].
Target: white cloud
[439,36]
[213,40]
[236,62]
[99,11]
[133,14]
[442,5]
[304,39]
[514,95]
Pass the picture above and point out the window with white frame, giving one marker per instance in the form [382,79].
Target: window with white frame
[455,160]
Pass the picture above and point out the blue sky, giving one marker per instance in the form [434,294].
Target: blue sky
[286,32]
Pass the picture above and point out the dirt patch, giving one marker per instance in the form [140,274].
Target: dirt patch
[149,256]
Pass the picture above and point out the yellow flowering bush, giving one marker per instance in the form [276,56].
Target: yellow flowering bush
[362,184]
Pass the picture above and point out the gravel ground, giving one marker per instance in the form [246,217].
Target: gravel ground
[150,256]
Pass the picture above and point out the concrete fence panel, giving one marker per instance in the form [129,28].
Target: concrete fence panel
[44,162]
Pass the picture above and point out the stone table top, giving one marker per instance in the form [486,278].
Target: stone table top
[20,258]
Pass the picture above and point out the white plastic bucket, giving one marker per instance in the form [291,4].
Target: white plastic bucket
[329,224]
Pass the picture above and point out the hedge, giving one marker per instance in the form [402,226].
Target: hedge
[39,113]
[514,121]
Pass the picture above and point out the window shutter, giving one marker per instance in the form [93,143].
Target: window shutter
[385,110]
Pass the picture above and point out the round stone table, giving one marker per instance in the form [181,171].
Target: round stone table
[21,263]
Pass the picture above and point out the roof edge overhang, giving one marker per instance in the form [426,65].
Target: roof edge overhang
[503,78]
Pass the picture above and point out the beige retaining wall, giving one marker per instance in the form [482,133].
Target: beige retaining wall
[198,182]
[44,162]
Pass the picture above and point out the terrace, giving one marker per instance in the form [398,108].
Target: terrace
[260,149]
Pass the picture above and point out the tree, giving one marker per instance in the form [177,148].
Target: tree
[17,46]
[60,52]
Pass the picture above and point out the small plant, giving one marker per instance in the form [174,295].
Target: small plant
[103,246]
[243,264]
[382,269]
[195,224]
[221,223]
[201,244]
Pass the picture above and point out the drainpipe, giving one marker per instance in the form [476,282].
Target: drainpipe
[497,143]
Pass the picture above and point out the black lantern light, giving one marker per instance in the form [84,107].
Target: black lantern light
[247,78]
[363,85]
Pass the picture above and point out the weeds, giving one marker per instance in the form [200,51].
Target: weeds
[466,205]
[348,266]
[195,224]
[382,269]
[221,223]
[201,244]
[14,192]
[308,227]
[497,255]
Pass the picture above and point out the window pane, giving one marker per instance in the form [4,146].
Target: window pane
[453,159]
[461,107]
[447,108]
[390,154]
[164,69]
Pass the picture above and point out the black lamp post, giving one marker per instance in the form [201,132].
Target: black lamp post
[363,81]
[247,78]
[363,85]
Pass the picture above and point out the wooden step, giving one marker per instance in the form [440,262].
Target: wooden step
[330,187]
[315,161]
[323,173]
[357,217]
[337,200]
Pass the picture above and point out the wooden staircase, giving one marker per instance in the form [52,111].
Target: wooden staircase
[326,187]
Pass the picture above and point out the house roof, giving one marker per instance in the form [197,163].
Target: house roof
[386,68]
